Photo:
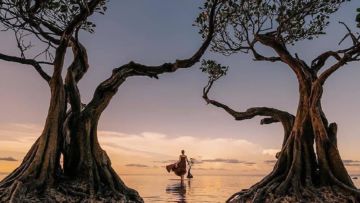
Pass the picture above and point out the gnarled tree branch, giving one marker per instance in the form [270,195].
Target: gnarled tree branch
[298,68]
[342,56]
[320,61]
[273,115]
[108,88]
[259,57]
[352,54]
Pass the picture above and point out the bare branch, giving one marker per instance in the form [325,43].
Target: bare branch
[268,120]
[34,63]
[259,57]
[229,110]
[320,61]
[326,74]
[342,56]
[272,115]
[354,39]
[349,55]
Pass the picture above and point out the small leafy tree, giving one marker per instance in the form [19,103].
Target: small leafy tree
[301,173]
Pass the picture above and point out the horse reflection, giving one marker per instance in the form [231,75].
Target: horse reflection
[178,190]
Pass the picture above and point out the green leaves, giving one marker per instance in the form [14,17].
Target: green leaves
[290,21]
[213,69]
[59,13]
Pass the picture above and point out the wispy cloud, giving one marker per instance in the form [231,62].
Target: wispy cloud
[157,146]
[270,161]
[7,159]
[349,162]
[227,161]
[166,162]
[217,160]
[210,169]
[19,132]
[249,163]
[146,144]
[137,165]
[146,147]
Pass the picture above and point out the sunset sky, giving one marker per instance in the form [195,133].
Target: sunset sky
[149,121]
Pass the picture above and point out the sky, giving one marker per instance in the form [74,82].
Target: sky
[149,121]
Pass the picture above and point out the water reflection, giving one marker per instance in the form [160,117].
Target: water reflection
[204,189]
[178,190]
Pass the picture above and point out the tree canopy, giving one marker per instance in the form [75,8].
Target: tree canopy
[289,21]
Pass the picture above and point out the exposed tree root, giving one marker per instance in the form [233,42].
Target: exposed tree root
[106,186]
[65,191]
[266,194]
[293,179]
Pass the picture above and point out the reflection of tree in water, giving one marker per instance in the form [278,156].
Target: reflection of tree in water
[178,190]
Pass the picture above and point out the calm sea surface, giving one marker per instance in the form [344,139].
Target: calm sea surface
[202,188]
[199,189]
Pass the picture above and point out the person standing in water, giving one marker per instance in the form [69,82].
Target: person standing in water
[179,167]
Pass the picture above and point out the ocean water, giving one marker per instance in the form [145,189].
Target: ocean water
[202,188]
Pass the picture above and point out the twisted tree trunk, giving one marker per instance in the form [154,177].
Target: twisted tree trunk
[301,174]
[87,163]
[39,167]
[84,159]
[87,174]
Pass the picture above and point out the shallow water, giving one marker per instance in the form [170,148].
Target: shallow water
[199,189]
[202,188]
